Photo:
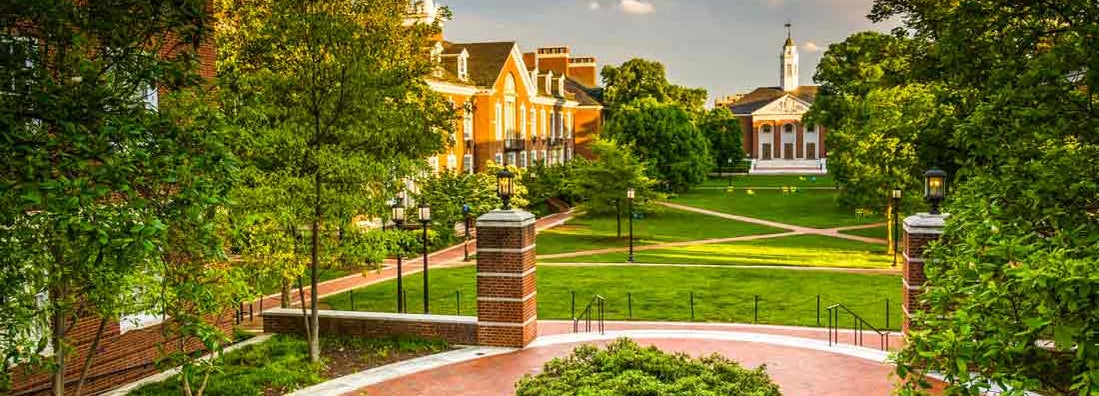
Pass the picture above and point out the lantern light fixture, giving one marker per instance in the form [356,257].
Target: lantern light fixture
[505,187]
[935,188]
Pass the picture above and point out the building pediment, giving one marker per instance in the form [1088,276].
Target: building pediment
[785,105]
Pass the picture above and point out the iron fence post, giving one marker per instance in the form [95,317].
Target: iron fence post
[629,305]
[351,296]
[692,306]
[458,302]
[573,305]
[887,313]
[755,314]
[818,310]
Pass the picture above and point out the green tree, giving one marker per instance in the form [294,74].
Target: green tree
[91,166]
[1010,299]
[639,78]
[449,192]
[602,183]
[663,136]
[722,129]
[547,182]
[334,94]
[626,368]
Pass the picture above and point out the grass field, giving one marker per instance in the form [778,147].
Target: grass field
[796,251]
[661,225]
[771,181]
[876,232]
[786,297]
[808,208]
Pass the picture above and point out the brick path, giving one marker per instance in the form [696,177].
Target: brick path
[801,365]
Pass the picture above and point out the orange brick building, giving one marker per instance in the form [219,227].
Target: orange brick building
[515,108]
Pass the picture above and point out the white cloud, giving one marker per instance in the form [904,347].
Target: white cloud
[637,7]
[810,46]
[594,6]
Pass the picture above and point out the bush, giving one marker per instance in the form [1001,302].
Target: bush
[625,368]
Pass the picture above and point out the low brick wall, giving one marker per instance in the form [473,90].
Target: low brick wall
[453,329]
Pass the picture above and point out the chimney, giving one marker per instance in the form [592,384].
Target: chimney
[554,59]
[584,70]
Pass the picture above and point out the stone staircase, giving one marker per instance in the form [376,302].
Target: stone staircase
[788,167]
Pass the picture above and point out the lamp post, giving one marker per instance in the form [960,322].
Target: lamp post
[896,206]
[398,223]
[630,195]
[727,170]
[425,218]
[505,187]
[465,245]
[934,188]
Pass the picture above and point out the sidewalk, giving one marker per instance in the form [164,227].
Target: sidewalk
[448,257]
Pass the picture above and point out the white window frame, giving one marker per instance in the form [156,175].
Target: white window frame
[433,163]
[499,122]
[522,159]
[451,162]
[544,123]
[467,125]
[499,157]
[523,120]
[467,163]
[512,160]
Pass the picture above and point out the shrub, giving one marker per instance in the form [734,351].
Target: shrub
[625,368]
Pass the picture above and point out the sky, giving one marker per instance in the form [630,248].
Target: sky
[724,46]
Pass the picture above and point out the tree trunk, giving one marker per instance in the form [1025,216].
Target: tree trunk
[314,323]
[284,299]
[59,329]
[91,354]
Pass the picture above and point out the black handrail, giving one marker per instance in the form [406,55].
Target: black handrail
[860,325]
[597,303]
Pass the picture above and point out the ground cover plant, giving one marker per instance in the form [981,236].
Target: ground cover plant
[796,250]
[626,368]
[786,297]
[659,225]
[808,208]
[281,364]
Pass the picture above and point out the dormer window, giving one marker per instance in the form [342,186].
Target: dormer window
[463,65]
[549,83]
[561,86]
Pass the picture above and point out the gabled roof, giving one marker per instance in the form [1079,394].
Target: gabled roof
[755,100]
[576,91]
[486,60]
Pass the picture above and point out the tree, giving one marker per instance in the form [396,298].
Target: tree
[448,192]
[625,368]
[343,110]
[1010,299]
[639,78]
[722,129]
[91,164]
[663,136]
[602,183]
[548,182]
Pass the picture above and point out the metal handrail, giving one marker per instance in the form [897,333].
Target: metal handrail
[860,325]
[597,303]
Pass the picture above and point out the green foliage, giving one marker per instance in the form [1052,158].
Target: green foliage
[1011,299]
[448,192]
[545,182]
[665,138]
[639,78]
[96,184]
[865,61]
[626,368]
[722,129]
[602,183]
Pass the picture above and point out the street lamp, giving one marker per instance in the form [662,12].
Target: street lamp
[465,245]
[630,193]
[934,188]
[425,218]
[896,204]
[728,169]
[398,224]
[505,187]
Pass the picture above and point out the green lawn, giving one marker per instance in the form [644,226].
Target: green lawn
[797,251]
[661,225]
[771,181]
[787,297]
[876,232]
[809,208]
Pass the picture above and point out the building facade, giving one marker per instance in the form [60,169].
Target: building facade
[775,137]
[515,108]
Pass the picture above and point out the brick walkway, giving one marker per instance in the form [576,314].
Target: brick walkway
[796,359]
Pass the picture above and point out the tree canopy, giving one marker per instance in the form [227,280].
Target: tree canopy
[665,138]
[723,131]
[640,78]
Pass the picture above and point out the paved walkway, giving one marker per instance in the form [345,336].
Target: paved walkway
[799,360]
[884,271]
[792,230]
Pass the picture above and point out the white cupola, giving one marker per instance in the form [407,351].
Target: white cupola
[788,64]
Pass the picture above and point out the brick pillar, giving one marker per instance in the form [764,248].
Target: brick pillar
[919,229]
[506,305]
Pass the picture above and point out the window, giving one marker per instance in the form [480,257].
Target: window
[544,156]
[18,55]
[568,125]
[452,161]
[467,163]
[788,128]
[139,321]
[543,122]
[568,154]
[533,121]
[499,122]
[523,159]
[523,123]
[433,163]
[467,124]
[765,129]
[499,159]
[511,158]
[463,65]
[151,96]
[509,118]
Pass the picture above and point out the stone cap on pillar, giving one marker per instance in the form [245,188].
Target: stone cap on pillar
[925,223]
[506,218]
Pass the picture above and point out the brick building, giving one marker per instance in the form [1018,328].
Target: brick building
[775,138]
[515,108]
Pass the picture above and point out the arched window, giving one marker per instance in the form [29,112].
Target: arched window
[788,128]
[766,129]
[509,85]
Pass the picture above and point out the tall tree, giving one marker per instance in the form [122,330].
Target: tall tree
[722,129]
[90,163]
[602,183]
[639,78]
[1011,295]
[343,109]
[665,137]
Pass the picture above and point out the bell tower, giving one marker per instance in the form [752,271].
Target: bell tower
[788,64]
